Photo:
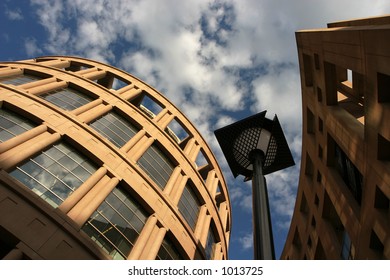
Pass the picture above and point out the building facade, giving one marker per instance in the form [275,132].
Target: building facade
[96,164]
[342,206]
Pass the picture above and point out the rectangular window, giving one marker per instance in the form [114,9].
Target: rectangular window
[350,174]
[168,251]
[347,247]
[55,173]
[67,98]
[210,245]
[12,124]
[115,128]
[157,165]
[116,224]
[189,206]
[18,80]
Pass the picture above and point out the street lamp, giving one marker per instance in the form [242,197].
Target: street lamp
[254,147]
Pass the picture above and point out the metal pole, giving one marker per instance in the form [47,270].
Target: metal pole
[262,227]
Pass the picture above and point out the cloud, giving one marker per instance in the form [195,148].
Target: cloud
[246,241]
[217,60]
[31,47]
[14,14]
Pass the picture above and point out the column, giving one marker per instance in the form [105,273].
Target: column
[201,221]
[223,213]
[218,251]
[154,244]
[47,87]
[21,138]
[95,113]
[96,74]
[205,230]
[164,118]
[87,107]
[176,195]
[134,140]
[38,83]
[91,201]
[143,238]
[130,94]
[140,148]
[16,155]
[173,180]
[121,90]
[78,194]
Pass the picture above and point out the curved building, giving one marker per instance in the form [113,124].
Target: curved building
[342,207]
[96,164]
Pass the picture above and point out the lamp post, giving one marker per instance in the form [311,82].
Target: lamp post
[254,147]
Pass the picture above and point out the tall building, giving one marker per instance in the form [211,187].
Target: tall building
[342,207]
[96,164]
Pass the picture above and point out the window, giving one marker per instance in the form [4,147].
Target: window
[55,173]
[176,131]
[168,251]
[210,245]
[116,224]
[350,174]
[347,247]
[115,128]
[383,152]
[383,87]
[18,80]
[189,206]
[67,98]
[310,121]
[148,105]
[12,124]
[157,165]
[308,70]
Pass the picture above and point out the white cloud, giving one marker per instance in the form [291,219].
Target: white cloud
[246,241]
[14,14]
[211,58]
[31,47]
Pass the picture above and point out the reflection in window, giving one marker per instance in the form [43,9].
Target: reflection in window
[18,80]
[347,247]
[210,245]
[12,124]
[116,224]
[168,251]
[189,206]
[350,174]
[55,173]
[67,98]
[115,128]
[156,165]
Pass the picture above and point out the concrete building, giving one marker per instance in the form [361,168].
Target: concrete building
[342,206]
[96,164]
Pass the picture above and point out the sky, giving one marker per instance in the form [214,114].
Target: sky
[218,61]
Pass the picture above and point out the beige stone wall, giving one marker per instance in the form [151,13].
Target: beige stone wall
[347,112]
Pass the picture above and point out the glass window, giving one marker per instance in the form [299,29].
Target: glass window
[116,224]
[55,173]
[18,80]
[350,174]
[12,124]
[67,98]
[115,128]
[168,251]
[210,245]
[346,250]
[156,165]
[189,206]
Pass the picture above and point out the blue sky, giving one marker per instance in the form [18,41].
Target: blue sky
[219,61]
